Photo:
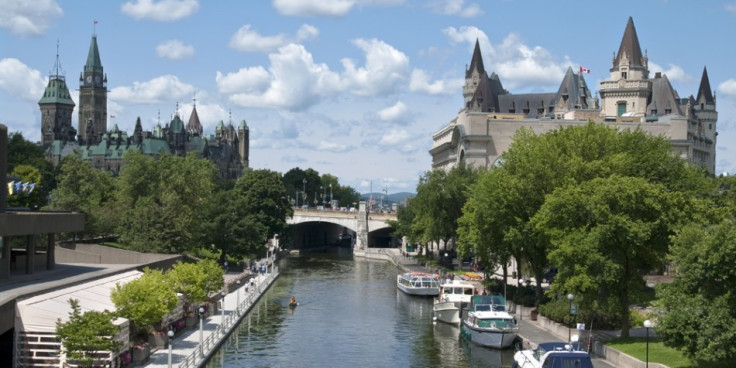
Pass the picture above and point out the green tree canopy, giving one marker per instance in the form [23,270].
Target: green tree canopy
[699,306]
[83,334]
[146,300]
[196,281]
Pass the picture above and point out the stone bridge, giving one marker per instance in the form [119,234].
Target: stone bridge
[325,227]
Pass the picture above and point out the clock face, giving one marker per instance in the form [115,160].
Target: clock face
[89,79]
[97,79]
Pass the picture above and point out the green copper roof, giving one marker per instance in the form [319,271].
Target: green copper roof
[220,126]
[243,125]
[154,146]
[176,126]
[93,58]
[56,92]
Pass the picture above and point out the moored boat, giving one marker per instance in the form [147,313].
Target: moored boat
[553,355]
[488,323]
[418,283]
[454,296]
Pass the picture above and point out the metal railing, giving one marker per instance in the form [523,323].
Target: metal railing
[196,359]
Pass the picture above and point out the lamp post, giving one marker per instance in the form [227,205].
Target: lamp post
[304,190]
[323,189]
[647,325]
[171,336]
[518,287]
[569,297]
[201,331]
[330,194]
[296,196]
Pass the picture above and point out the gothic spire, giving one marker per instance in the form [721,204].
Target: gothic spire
[93,57]
[194,126]
[704,91]
[476,62]
[629,46]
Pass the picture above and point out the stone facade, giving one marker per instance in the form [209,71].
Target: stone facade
[484,128]
[228,148]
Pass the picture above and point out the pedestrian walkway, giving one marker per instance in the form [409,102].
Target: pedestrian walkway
[194,347]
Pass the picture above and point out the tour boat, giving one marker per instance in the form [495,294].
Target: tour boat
[553,355]
[488,323]
[418,283]
[454,296]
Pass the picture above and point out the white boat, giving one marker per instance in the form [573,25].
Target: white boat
[488,323]
[454,296]
[418,283]
[553,355]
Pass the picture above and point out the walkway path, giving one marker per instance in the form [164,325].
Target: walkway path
[186,349]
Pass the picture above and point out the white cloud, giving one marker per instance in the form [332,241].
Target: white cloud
[394,137]
[420,83]
[517,64]
[384,68]
[209,115]
[28,18]
[333,147]
[174,50]
[674,73]
[19,80]
[295,82]
[249,80]
[730,7]
[728,87]
[166,88]
[396,112]
[247,39]
[325,8]
[456,7]
[162,11]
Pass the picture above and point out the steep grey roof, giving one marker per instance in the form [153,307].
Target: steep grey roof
[663,97]
[573,91]
[194,126]
[93,58]
[704,92]
[629,46]
[531,101]
[476,62]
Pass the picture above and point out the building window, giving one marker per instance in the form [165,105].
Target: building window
[623,75]
[667,111]
[621,108]
[654,111]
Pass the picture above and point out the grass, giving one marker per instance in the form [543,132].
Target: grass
[658,353]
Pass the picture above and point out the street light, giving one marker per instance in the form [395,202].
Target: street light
[518,286]
[330,194]
[223,308]
[201,331]
[304,190]
[237,304]
[647,325]
[569,297]
[171,336]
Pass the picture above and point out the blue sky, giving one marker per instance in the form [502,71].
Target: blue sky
[355,88]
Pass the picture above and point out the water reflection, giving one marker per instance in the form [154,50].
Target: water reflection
[350,314]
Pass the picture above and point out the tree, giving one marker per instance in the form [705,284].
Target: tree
[699,307]
[84,189]
[84,334]
[146,300]
[196,281]
[33,200]
[162,201]
[23,152]
[604,233]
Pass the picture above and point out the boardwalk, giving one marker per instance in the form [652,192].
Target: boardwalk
[186,347]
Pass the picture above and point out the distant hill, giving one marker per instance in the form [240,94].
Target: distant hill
[389,199]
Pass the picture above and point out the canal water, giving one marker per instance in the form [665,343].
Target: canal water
[350,314]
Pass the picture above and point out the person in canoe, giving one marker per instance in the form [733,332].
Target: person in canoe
[293,302]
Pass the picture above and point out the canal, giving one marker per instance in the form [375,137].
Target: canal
[350,315]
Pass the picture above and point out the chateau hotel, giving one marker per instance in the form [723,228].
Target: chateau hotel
[630,99]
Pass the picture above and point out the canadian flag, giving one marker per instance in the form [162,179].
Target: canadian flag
[584,70]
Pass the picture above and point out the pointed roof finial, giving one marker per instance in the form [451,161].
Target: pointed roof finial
[158,119]
[57,72]
[629,46]
[476,63]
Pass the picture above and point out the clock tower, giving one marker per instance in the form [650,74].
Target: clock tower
[92,98]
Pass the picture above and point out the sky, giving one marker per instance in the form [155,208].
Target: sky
[353,88]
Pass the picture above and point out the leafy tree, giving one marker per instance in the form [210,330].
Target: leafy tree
[403,224]
[32,200]
[605,232]
[85,189]
[146,300]
[83,334]
[23,152]
[699,306]
[162,199]
[196,281]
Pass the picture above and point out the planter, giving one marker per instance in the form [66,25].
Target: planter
[534,313]
[157,340]
[141,354]
[192,320]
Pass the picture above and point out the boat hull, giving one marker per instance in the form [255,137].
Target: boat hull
[420,291]
[447,312]
[492,338]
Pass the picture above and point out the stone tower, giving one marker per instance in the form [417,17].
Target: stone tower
[244,143]
[629,87]
[92,98]
[56,109]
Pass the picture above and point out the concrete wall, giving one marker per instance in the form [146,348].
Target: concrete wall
[94,253]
